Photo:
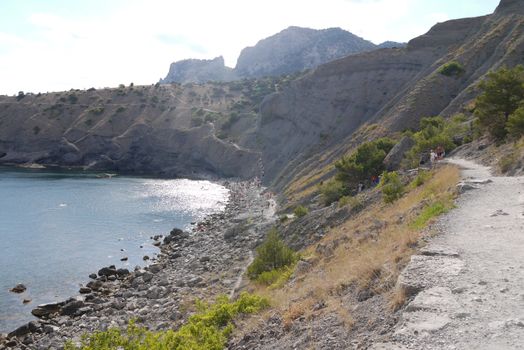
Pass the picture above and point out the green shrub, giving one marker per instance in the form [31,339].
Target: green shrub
[300,211]
[428,213]
[507,162]
[421,178]
[434,132]
[208,329]
[283,218]
[96,110]
[72,98]
[502,94]
[273,254]
[515,124]
[332,191]
[392,187]
[233,118]
[365,162]
[120,109]
[452,69]
[276,278]
[353,202]
[36,130]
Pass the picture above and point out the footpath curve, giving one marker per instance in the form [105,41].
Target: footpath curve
[467,285]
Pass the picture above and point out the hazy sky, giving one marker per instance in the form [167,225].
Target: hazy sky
[51,45]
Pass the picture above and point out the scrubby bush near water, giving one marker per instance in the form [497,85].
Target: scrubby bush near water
[208,329]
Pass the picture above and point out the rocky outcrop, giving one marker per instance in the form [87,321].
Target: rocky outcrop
[296,49]
[396,155]
[199,71]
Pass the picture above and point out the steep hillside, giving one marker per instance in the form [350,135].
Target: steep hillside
[393,88]
[288,130]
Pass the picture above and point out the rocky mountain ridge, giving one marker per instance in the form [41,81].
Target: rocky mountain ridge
[285,129]
[294,49]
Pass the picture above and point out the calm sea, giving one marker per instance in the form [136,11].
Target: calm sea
[56,228]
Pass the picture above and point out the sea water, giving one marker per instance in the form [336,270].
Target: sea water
[58,227]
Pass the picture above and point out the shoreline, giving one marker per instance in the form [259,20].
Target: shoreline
[203,263]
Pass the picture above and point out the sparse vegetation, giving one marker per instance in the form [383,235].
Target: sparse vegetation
[300,211]
[273,254]
[392,187]
[208,329]
[333,190]
[434,132]
[36,130]
[452,69]
[365,162]
[430,212]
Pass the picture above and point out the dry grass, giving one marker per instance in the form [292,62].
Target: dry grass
[397,299]
[376,245]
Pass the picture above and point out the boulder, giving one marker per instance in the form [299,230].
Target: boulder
[122,272]
[84,290]
[107,271]
[94,285]
[46,310]
[71,307]
[19,288]
[395,156]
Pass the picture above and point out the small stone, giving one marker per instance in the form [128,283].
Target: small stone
[26,301]
[125,258]
[19,288]
[84,290]
[146,257]
[93,276]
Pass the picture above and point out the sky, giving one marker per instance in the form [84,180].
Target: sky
[57,45]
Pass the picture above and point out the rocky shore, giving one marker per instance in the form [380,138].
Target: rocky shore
[203,263]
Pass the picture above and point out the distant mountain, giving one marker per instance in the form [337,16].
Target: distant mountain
[292,50]
[390,45]
[199,71]
[296,49]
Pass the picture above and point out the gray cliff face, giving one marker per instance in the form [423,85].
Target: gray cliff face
[199,71]
[296,49]
[292,50]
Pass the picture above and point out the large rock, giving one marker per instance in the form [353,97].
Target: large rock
[199,71]
[19,288]
[107,271]
[46,310]
[396,155]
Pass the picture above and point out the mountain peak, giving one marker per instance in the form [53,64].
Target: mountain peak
[510,5]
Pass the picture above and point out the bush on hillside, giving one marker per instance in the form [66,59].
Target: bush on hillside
[332,191]
[515,124]
[452,69]
[273,254]
[208,329]
[502,94]
[365,162]
[392,187]
[300,211]
[434,132]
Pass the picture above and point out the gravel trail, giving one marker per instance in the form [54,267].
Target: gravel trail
[469,282]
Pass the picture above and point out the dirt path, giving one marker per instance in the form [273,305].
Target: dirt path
[469,281]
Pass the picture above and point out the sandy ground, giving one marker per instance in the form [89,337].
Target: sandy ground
[472,275]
